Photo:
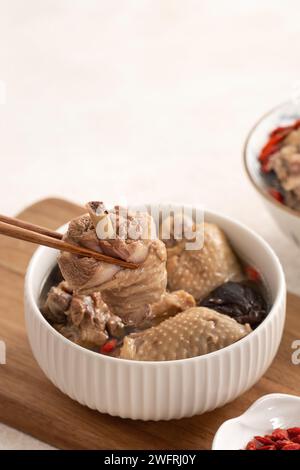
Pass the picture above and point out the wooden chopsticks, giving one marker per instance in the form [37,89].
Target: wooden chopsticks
[31,227]
[25,231]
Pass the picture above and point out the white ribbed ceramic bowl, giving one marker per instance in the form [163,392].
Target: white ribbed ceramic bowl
[287,219]
[160,390]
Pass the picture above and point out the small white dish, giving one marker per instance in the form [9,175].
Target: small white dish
[285,114]
[266,414]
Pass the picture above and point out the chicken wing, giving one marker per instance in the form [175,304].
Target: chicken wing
[195,332]
[200,271]
[128,293]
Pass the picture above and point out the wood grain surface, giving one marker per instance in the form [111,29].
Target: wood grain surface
[30,403]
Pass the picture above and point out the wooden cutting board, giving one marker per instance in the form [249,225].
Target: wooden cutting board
[30,403]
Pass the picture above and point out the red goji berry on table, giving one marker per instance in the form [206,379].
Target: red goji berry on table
[291,446]
[279,444]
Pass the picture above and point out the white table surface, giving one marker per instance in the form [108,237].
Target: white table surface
[141,100]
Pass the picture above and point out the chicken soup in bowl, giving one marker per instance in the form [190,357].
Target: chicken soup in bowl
[178,303]
[187,331]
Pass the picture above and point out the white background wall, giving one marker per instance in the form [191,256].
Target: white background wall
[142,100]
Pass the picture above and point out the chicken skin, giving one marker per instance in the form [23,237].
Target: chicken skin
[194,332]
[200,271]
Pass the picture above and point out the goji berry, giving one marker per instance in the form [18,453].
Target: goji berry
[282,130]
[279,444]
[275,194]
[292,432]
[269,447]
[269,149]
[291,446]
[279,435]
[251,445]
[108,347]
[272,145]
[265,167]
[264,440]
[252,273]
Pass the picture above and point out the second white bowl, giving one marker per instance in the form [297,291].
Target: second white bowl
[160,390]
[287,219]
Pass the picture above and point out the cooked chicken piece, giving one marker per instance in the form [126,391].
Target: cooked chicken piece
[90,322]
[84,319]
[57,303]
[293,138]
[167,306]
[81,232]
[286,165]
[200,271]
[85,275]
[128,293]
[170,304]
[195,332]
[292,199]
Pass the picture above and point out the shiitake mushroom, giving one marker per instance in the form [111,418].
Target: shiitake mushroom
[242,301]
